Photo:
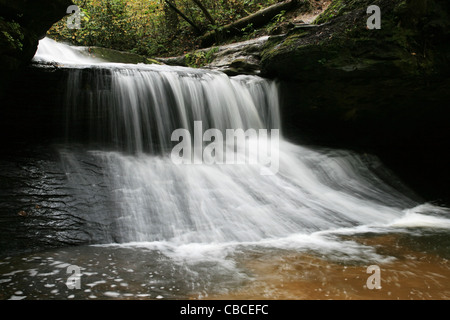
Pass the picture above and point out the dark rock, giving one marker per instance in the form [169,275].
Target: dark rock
[242,66]
[22,24]
[116,56]
[383,91]
[173,61]
[238,58]
[31,110]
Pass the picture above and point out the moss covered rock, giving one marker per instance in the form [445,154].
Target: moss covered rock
[413,40]
[384,91]
[111,55]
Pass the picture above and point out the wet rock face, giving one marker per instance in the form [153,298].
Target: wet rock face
[44,203]
[47,203]
[239,58]
[22,24]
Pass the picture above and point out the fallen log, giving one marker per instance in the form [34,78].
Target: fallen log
[257,20]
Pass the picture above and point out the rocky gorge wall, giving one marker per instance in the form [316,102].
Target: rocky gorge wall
[384,91]
[22,24]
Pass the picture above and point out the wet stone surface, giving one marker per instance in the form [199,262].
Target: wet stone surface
[43,206]
[109,273]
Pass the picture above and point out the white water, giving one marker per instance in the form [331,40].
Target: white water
[51,51]
[188,209]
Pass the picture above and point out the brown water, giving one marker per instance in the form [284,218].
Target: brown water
[413,275]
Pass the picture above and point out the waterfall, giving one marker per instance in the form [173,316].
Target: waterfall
[50,51]
[138,109]
[124,116]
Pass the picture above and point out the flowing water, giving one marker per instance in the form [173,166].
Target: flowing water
[164,230]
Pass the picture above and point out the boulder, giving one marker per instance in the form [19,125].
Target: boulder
[22,24]
[376,90]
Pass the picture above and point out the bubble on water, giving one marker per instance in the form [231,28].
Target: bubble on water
[13,273]
[32,272]
[112,294]
[96,283]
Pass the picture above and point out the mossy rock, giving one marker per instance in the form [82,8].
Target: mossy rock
[341,7]
[383,91]
[413,41]
[111,55]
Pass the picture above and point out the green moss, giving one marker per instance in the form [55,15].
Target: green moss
[198,59]
[338,8]
[274,46]
[291,40]
[152,61]
[333,10]
[119,56]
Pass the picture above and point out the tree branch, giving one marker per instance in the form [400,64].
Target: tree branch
[182,15]
[205,11]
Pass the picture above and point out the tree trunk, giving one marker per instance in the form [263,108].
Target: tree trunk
[171,19]
[205,11]
[257,19]
[182,15]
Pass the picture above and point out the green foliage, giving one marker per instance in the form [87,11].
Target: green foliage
[338,8]
[199,59]
[11,36]
[248,29]
[150,27]
[279,18]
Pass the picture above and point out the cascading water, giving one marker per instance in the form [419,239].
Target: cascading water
[128,113]
[123,116]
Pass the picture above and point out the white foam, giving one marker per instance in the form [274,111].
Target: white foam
[96,283]
[112,294]
[51,51]
[13,273]
[417,220]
